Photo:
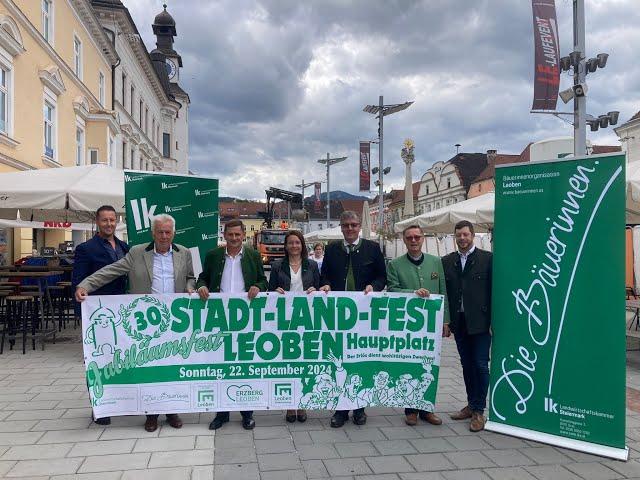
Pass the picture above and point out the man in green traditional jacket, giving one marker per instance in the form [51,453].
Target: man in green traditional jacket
[232,269]
[421,274]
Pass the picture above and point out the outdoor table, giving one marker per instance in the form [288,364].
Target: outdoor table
[41,278]
[634,306]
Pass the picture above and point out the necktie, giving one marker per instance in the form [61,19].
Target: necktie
[351,281]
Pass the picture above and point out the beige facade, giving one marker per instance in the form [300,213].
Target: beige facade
[55,91]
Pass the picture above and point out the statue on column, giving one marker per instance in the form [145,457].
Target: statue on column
[408,158]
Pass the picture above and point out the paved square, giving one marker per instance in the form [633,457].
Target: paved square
[46,433]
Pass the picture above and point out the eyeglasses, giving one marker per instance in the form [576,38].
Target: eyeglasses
[349,225]
[413,238]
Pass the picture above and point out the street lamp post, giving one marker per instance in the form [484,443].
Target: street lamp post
[330,161]
[302,186]
[382,110]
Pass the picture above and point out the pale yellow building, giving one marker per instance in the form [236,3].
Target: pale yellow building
[55,95]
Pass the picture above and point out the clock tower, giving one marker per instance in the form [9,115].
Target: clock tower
[164,28]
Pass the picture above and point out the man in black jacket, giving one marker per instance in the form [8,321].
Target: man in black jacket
[353,264]
[468,277]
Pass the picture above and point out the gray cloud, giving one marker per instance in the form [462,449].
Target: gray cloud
[276,84]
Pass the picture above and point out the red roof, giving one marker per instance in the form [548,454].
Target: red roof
[606,148]
[353,205]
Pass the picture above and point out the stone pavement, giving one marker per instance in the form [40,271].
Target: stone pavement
[46,433]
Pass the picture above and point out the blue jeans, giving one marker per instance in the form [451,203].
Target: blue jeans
[474,357]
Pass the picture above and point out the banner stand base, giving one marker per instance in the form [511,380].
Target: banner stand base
[557,441]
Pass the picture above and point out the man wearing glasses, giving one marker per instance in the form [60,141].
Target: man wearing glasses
[422,274]
[353,265]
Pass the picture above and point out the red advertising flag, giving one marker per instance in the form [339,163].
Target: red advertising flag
[365,170]
[547,53]
[317,204]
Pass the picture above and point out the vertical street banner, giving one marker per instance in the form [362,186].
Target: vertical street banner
[175,353]
[558,357]
[365,164]
[317,203]
[547,55]
[191,200]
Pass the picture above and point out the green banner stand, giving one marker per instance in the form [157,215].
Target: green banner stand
[558,357]
[191,201]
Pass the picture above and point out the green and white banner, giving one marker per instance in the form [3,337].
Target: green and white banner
[176,353]
[192,201]
[558,356]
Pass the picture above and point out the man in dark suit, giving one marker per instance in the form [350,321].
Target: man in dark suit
[468,274]
[102,250]
[353,264]
[232,269]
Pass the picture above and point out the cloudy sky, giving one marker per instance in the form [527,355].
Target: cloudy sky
[276,84]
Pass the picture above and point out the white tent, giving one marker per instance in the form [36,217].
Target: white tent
[327,234]
[70,194]
[478,210]
[633,192]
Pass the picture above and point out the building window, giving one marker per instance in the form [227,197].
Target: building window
[101,88]
[146,121]
[153,131]
[47,20]
[124,154]
[448,183]
[437,205]
[77,57]
[252,228]
[124,89]
[166,145]
[141,112]
[427,189]
[79,146]
[93,156]
[49,129]
[4,100]
[133,94]
[479,187]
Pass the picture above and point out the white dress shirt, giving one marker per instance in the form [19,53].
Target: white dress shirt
[163,281]
[232,278]
[463,262]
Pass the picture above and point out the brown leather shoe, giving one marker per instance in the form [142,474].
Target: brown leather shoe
[462,414]
[477,422]
[411,419]
[431,418]
[174,420]
[151,425]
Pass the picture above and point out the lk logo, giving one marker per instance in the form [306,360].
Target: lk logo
[142,214]
[550,406]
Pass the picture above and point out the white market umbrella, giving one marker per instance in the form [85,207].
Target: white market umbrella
[477,210]
[71,194]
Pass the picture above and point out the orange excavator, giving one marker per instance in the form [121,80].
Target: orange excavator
[269,241]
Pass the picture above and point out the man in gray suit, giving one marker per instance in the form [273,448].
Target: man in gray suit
[159,267]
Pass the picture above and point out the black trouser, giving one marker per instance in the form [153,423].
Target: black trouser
[474,358]
[409,411]
[157,415]
[244,413]
[345,413]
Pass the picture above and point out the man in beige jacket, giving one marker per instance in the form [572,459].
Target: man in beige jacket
[158,267]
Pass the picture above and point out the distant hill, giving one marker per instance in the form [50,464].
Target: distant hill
[338,195]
